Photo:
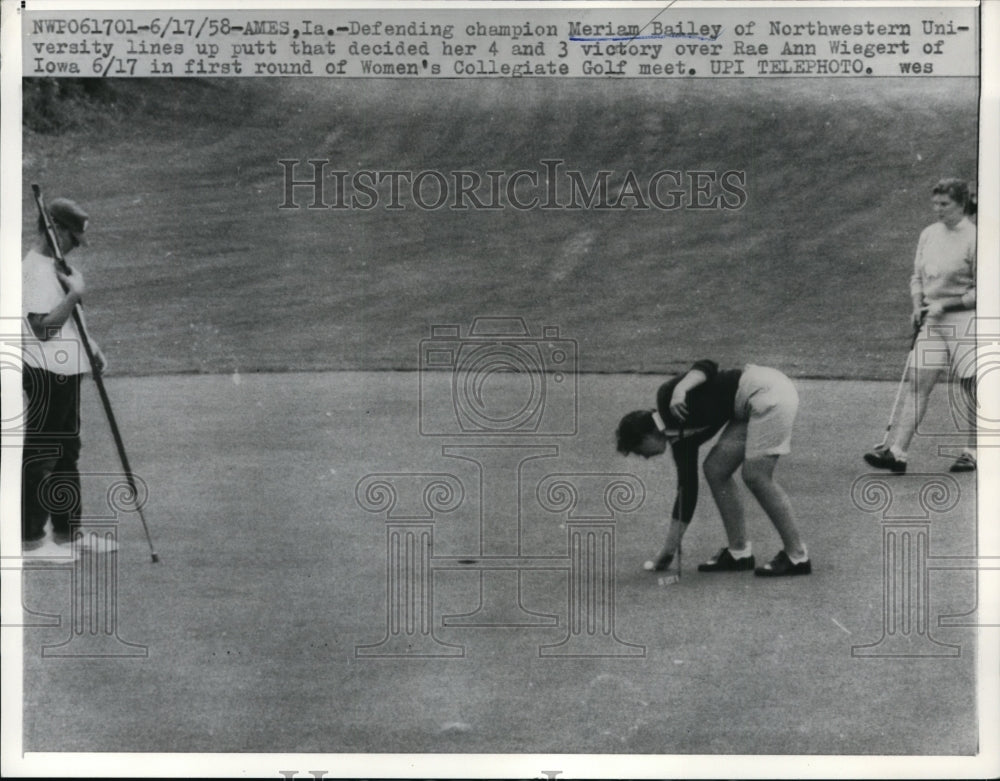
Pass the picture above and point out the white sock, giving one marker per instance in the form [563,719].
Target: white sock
[799,559]
[741,553]
[899,455]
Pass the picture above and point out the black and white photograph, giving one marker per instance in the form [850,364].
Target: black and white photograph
[500,390]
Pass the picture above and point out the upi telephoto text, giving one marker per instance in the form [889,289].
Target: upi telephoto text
[312,184]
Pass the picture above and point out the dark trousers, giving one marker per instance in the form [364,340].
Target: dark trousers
[50,480]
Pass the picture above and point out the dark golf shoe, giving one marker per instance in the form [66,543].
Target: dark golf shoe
[781,565]
[964,463]
[723,561]
[884,459]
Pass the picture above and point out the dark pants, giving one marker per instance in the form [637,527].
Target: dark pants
[50,480]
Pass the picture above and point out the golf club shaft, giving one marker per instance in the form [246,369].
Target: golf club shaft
[53,241]
[902,382]
[680,514]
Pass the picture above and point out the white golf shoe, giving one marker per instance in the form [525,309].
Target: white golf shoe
[46,551]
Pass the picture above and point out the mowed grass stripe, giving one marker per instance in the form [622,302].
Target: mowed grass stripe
[193,267]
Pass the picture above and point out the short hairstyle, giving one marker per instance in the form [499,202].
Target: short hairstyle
[956,189]
[972,206]
[633,428]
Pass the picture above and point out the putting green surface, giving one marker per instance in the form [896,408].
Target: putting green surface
[275,571]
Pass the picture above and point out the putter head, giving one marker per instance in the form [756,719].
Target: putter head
[669,564]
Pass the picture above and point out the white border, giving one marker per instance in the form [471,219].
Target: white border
[11,647]
[986,765]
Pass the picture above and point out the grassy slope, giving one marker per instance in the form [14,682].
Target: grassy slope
[193,267]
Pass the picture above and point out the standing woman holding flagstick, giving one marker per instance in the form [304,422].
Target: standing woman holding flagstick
[54,333]
[54,363]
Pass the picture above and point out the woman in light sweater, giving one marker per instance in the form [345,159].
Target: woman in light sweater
[943,290]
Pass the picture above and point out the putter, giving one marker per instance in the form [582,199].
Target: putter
[669,580]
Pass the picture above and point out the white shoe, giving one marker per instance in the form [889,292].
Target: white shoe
[46,551]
